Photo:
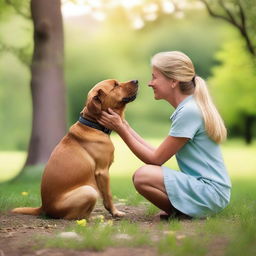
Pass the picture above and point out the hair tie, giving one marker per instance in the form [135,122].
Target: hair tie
[193,79]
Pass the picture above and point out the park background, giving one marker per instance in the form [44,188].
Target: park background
[99,44]
[115,39]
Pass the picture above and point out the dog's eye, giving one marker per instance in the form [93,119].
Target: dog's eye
[97,98]
[116,84]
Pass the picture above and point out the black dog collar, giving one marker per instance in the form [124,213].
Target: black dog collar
[94,125]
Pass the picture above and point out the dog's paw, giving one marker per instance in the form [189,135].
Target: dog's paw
[117,214]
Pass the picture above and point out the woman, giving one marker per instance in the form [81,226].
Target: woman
[202,186]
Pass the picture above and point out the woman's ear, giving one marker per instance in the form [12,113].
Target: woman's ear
[174,83]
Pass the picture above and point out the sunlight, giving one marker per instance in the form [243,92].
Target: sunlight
[138,11]
[99,15]
[138,23]
[168,6]
[150,11]
[129,4]
[70,9]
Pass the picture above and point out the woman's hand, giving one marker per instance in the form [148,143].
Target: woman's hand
[111,120]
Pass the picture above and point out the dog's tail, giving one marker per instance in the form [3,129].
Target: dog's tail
[28,210]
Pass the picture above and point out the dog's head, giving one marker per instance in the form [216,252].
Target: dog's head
[109,94]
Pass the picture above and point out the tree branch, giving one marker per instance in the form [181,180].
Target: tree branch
[20,53]
[24,15]
[241,12]
[229,13]
[213,14]
[230,19]
[243,30]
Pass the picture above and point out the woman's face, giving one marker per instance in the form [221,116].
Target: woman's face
[160,84]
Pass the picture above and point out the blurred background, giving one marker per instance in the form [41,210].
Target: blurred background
[116,39]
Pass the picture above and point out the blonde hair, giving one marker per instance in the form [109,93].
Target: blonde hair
[178,66]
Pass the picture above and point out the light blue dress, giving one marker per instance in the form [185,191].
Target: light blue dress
[202,186]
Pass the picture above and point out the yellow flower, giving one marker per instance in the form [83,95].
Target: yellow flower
[101,218]
[24,193]
[98,218]
[110,222]
[81,222]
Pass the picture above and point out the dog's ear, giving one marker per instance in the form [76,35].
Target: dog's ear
[94,105]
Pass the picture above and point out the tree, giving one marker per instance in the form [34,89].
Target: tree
[235,78]
[47,83]
[241,15]
[47,78]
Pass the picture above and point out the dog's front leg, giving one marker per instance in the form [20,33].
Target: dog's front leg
[102,179]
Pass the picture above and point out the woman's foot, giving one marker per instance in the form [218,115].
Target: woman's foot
[163,216]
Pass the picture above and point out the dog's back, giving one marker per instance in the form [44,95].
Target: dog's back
[73,162]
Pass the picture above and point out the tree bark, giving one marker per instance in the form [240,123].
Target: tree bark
[47,82]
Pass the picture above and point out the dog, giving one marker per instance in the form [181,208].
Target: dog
[77,172]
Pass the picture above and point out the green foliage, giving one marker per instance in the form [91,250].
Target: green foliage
[240,14]
[103,53]
[15,51]
[15,104]
[10,7]
[96,51]
[14,16]
[233,83]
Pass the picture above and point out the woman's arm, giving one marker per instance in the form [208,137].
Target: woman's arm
[148,155]
[169,147]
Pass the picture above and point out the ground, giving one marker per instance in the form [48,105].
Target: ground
[18,233]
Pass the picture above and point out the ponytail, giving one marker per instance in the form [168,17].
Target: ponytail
[214,124]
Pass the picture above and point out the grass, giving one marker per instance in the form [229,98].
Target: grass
[104,235]
[231,232]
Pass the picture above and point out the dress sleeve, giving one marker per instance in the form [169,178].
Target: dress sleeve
[186,123]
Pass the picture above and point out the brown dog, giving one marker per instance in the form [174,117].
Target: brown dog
[78,168]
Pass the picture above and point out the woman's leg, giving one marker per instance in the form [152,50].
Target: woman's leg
[149,182]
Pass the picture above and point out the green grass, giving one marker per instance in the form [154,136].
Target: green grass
[231,232]
[98,236]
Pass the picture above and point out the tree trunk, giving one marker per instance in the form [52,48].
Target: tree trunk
[249,120]
[47,82]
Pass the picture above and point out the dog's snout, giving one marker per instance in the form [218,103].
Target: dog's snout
[135,82]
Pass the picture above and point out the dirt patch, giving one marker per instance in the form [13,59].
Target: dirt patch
[18,233]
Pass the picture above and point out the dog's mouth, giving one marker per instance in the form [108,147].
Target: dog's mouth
[129,99]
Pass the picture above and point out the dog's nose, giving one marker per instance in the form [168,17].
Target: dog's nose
[135,81]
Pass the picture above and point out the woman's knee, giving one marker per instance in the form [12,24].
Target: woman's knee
[140,175]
